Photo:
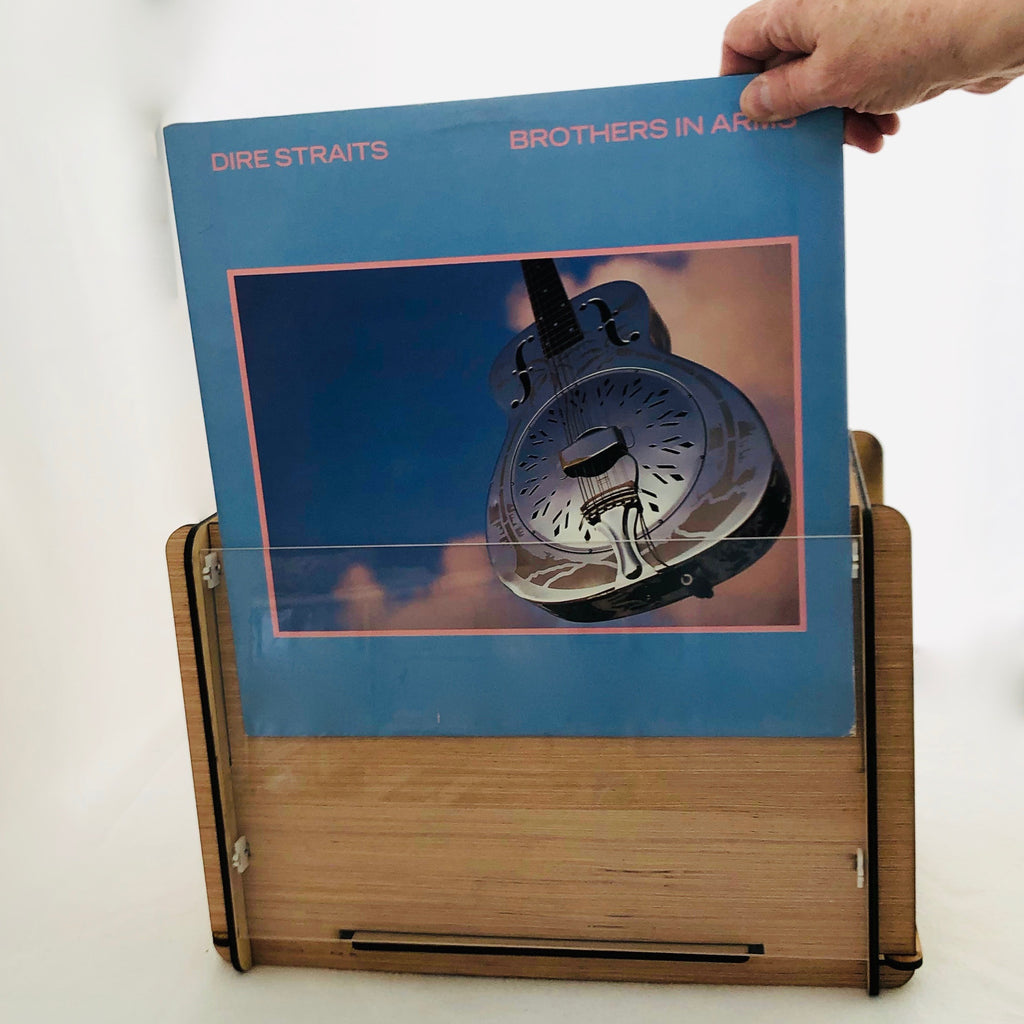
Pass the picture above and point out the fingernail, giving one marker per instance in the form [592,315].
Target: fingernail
[758,105]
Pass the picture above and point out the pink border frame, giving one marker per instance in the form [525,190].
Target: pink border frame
[791,240]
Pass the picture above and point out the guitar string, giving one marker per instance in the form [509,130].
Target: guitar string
[556,336]
[570,401]
[591,487]
[549,328]
[604,482]
[573,399]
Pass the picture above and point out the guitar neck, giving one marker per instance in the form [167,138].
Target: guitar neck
[553,313]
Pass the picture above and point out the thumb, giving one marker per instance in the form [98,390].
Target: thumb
[782,92]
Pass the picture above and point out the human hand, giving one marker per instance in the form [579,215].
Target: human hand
[871,57]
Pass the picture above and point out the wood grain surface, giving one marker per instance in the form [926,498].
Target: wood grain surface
[894,701]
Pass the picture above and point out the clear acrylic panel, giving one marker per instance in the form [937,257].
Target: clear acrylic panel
[430,772]
[478,639]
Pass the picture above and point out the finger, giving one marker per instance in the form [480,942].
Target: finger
[786,91]
[734,63]
[860,130]
[747,35]
[868,131]
[888,124]
[781,58]
[764,30]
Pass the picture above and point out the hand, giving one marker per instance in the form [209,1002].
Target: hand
[871,57]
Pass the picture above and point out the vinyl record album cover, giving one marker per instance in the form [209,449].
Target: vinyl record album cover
[527,415]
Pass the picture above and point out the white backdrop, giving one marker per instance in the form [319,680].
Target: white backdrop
[102,455]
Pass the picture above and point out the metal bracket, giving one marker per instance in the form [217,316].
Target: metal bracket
[859,863]
[856,560]
[211,569]
[240,854]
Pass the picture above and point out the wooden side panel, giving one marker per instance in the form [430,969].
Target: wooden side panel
[869,454]
[213,675]
[894,665]
[196,737]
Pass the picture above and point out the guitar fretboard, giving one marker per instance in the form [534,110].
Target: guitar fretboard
[552,311]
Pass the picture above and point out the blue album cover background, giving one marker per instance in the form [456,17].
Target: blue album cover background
[351,280]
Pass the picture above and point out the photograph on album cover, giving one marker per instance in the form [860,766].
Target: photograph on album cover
[588,441]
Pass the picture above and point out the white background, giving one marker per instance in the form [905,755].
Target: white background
[102,455]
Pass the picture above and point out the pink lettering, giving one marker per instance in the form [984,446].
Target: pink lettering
[659,128]
[684,126]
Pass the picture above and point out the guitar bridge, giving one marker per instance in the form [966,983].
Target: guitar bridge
[622,496]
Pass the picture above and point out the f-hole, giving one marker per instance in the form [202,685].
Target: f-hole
[608,324]
[522,371]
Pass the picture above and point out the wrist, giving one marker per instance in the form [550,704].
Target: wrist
[993,35]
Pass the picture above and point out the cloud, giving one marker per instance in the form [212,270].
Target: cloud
[464,595]
[467,595]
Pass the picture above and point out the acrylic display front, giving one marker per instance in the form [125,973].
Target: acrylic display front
[427,640]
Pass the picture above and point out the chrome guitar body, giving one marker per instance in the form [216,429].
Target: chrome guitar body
[629,477]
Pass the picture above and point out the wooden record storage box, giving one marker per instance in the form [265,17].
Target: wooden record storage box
[713,860]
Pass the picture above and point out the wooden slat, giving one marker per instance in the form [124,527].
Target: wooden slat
[196,738]
[894,666]
[762,970]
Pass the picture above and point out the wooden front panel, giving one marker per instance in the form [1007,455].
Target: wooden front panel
[670,840]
